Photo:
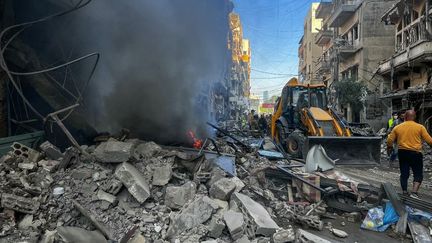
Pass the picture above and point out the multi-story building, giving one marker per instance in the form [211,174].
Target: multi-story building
[309,51]
[353,42]
[408,70]
[239,74]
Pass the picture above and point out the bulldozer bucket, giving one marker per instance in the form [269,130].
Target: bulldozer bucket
[348,150]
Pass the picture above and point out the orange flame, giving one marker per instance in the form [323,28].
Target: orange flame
[197,143]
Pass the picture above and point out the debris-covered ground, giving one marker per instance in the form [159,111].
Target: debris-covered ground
[136,191]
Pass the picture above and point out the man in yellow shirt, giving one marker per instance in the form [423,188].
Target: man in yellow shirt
[409,136]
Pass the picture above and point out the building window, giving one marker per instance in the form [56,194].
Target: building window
[406,84]
[355,32]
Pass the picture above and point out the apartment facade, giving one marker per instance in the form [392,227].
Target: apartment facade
[309,51]
[407,71]
[239,73]
[353,42]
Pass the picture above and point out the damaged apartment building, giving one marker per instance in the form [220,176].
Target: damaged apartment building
[353,41]
[239,72]
[407,71]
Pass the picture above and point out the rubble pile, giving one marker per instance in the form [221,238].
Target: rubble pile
[134,191]
[129,191]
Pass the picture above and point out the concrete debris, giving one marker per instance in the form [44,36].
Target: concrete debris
[284,236]
[194,214]
[25,152]
[134,181]
[146,150]
[75,234]
[235,223]
[107,197]
[19,204]
[216,226]
[114,152]
[177,196]
[63,197]
[339,233]
[49,165]
[263,223]
[303,236]
[51,151]
[26,222]
[138,238]
[222,189]
[162,175]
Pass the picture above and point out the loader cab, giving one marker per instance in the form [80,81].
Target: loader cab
[295,98]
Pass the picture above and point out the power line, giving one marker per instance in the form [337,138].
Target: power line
[282,74]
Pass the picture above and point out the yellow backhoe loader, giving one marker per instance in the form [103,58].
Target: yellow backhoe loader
[302,119]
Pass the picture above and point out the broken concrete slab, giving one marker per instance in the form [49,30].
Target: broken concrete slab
[146,150]
[113,152]
[235,223]
[192,215]
[19,204]
[216,226]
[304,236]
[339,233]
[238,183]
[162,175]
[134,181]
[222,189]
[27,166]
[177,196]
[101,195]
[49,165]
[284,236]
[50,150]
[75,234]
[260,217]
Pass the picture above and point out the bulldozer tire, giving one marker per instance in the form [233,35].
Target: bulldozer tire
[281,134]
[295,144]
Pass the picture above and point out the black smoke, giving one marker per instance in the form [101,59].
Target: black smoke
[159,60]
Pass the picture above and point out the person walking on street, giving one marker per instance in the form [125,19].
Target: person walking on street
[262,122]
[392,120]
[409,136]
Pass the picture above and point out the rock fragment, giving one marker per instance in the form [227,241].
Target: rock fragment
[134,181]
[113,152]
[50,150]
[19,204]
[194,214]
[235,223]
[264,224]
[284,236]
[162,175]
[222,189]
[304,236]
[107,197]
[146,150]
[216,226]
[339,233]
[49,165]
[177,196]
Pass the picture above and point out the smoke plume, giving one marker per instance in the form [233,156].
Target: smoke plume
[158,59]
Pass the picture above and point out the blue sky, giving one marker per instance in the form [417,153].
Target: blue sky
[274,28]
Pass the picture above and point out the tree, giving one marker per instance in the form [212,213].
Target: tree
[350,91]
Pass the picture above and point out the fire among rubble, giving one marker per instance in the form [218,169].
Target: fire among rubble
[196,142]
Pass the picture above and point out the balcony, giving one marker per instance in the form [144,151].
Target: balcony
[323,37]
[418,53]
[323,10]
[347,48]
[343,10]
[413,45]
[323,65]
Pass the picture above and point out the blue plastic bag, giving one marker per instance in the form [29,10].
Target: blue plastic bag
[379,220]
[390,217]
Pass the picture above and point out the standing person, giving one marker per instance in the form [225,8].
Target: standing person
[251,118]
[392,120]
[409,136]
[262,122]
